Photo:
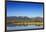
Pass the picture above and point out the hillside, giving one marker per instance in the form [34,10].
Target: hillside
[23,20]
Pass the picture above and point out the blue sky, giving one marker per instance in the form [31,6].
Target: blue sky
[24,9]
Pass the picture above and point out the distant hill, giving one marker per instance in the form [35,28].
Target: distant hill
[14,19]
[38,18]
[17,18]
[23,18]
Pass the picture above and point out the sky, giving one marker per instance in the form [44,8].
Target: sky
[24,9]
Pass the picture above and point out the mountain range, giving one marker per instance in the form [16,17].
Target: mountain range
[24,18]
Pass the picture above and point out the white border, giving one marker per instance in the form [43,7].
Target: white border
[2,15]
